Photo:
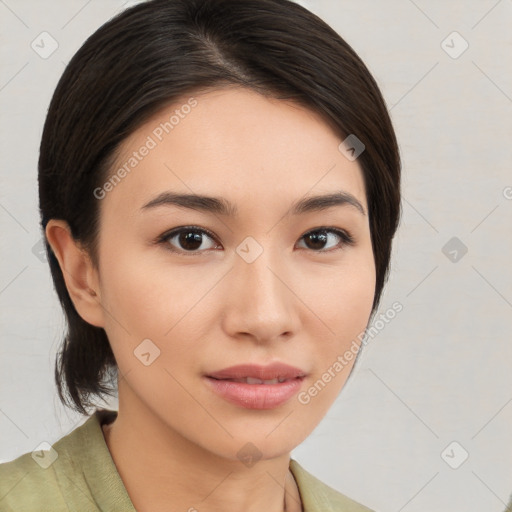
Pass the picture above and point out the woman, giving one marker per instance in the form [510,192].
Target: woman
[219,189]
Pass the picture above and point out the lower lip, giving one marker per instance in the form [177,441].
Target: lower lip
[256,396]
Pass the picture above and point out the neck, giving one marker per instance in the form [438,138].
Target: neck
[159,467]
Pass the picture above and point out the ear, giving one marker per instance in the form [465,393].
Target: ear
[80,276]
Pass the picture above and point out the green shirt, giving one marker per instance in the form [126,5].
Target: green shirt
[84,478]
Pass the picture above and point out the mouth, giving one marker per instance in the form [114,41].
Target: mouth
[257,374]
[256,387]
[254,380]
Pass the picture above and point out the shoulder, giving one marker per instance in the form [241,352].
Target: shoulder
[317,496]
[26,486]
[31,481]
[61,478]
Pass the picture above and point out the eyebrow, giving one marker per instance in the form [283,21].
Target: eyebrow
[221,206]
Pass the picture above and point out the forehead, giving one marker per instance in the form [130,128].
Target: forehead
[259,152]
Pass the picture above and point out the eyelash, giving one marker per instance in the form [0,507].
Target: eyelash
[345,236]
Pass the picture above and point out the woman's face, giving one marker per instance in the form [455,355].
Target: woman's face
[270,284]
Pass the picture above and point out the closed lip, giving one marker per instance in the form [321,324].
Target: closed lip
[263,372]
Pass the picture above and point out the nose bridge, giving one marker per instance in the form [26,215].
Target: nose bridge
[257,269]
[260,302]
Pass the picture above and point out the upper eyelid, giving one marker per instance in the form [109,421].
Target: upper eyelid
[173,232]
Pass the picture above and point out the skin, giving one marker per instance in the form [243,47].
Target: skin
[174,440]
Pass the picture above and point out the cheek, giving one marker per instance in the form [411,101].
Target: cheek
[344,306]
[146,298]
[355,300]
[136,301]
[131,292]
[342,296]
[346,300]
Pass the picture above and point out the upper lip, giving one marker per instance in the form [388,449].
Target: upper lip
[268,372]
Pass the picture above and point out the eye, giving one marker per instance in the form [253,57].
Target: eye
[321,236]
[189,239]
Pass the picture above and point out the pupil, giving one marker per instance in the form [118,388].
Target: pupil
[190,240]
[319,239]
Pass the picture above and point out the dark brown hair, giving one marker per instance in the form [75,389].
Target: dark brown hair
[149,56]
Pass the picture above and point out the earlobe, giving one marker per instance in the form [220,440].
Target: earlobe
[79,273]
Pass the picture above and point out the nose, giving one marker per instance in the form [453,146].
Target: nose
[260,304]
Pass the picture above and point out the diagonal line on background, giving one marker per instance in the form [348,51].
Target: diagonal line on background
[485,15]
[422,216]
[13,279]
[492,81]
[76,14]
[493,287]
[3,2]
[405,504]
[14,423]
[403,403]
[12,216]
[492,211]
[72,427]
[503,407]
[420,80]
[424,14]
[489,488]
[13,77]
[422,280]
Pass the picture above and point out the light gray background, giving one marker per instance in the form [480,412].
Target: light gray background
[441,370]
